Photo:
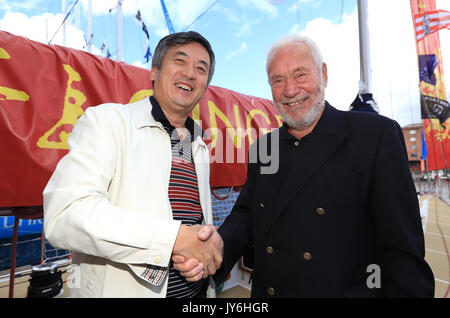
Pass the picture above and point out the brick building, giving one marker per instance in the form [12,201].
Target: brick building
[413,140]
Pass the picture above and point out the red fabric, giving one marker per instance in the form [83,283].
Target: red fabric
[45,89]
[436,136]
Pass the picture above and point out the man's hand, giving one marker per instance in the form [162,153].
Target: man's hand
[194,268]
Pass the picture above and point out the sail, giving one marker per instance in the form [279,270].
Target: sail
[435,109]
[42,97]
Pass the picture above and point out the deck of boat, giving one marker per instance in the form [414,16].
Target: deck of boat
[436,224]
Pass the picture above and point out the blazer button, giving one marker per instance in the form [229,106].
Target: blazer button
[269,250]
[261,205]
[307,256]
[320,211]
[270,291]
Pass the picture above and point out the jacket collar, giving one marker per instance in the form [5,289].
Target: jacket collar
[148,113]
[325,126]
[142,114]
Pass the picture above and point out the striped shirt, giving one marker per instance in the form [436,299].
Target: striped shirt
[183,196]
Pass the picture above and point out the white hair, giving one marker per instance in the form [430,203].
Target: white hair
[295,38]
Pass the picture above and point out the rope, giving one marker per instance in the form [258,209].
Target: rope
[67,15]
[201,15]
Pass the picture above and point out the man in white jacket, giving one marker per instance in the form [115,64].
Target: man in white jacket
[134,188]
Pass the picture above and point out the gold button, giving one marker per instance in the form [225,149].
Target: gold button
[261,205]
[320,211]
[270,291]
[269,250]
[307,256]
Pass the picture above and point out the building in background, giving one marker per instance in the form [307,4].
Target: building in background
[413,141]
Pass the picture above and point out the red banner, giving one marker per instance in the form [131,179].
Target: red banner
[434,105]
[45,89]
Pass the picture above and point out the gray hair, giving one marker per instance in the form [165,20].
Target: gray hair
[295,38]
[182,38]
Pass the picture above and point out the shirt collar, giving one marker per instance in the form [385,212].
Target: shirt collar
[159,115]
[325,125]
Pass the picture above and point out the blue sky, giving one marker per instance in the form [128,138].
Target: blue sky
[241,31]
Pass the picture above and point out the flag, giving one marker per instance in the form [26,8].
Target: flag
[148,54]
[431,21]
[427,66]
[103,47]
[139,21]
[435,109]
[424,154]
[138,17]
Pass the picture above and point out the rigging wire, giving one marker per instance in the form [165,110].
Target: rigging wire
[215,2]
[64,21]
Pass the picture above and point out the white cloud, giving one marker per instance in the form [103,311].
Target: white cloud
[142,65]
[43,29]
[234,53]
[264,6]
[245,28]
[103,6]
[185,12]
[8,5]
[339,47]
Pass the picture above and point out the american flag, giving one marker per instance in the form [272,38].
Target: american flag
[430,22]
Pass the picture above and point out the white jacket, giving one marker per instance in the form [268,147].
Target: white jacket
[107,201]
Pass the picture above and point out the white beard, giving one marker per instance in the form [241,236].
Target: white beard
[310,117]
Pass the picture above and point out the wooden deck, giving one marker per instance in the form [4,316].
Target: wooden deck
[436,223]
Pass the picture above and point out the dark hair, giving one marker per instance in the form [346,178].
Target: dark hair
[178,39]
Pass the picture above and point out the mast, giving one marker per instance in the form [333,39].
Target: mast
[89,27]
[63,9]
[365,82]
[119,30]
[364,100]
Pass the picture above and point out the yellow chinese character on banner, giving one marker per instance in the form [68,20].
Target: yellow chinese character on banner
[7,93]
[73,100]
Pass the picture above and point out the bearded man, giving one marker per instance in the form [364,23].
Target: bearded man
[340,217]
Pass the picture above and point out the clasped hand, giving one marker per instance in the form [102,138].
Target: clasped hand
[198,251]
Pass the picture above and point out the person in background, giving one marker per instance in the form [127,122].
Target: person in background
[134,187]
[340,217]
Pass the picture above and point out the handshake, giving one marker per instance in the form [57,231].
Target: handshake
[197,252]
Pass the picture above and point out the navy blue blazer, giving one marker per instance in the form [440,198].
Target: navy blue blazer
[340,218]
